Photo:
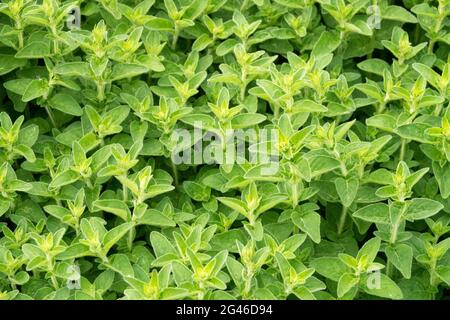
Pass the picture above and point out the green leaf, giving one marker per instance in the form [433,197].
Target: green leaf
[234,204]
[401,256]
[25,151]
[57,211]
[8,63]
[159,24]
[442,175]
[415,131]
[443,273]
[75,69]
[122,265]
[197,191]
[346,282]
[376,213]
[36,89]
[76,250]
[117,207]
[306,105]
[4,206]
[380,285]
[122,71]
[327,43]
[369,250]
[247,120]
[398,13]
[428,74]
[309,222]
[63,179]
[112,236]
[375,66]
[422,208]
[153,217]
[161,244]
[382,121]
[202,42]
[329,267]
[65,103]
[34,50]
[347,189]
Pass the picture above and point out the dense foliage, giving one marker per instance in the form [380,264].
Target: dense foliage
[353,204]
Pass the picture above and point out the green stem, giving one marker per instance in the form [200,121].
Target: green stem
[438,110]
[417,32]
[431,46]
[402,149]
[100,90]
[294,194]
[19,28]
[175,172]
[389,268]
[433,278]
[55,40]
[276,111]
[342,220]
[124,190]
[440,18]
[20,36]
[393,238]
[88,183]
[243,86]
[381,107]
[54,282]
[244,5]
[344,170]
[247,285]
[51,116]
[130,238]
[175,37]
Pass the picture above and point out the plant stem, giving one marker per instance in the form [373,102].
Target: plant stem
[51,117]
[100,90]
[247,284]
[243,89]
[342,220]
[88,183]
[130,239]
[381,107]
[431,46]
[276,111]
[402,149]
[54,282]
[393,238]
[175,172]
[438,110]
[20,36]
[389,269]
[344,170]
[294,194]
[244,5]
[124,190]
[440,18]
[175,37]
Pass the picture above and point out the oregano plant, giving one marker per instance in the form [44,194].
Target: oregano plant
[224,149]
